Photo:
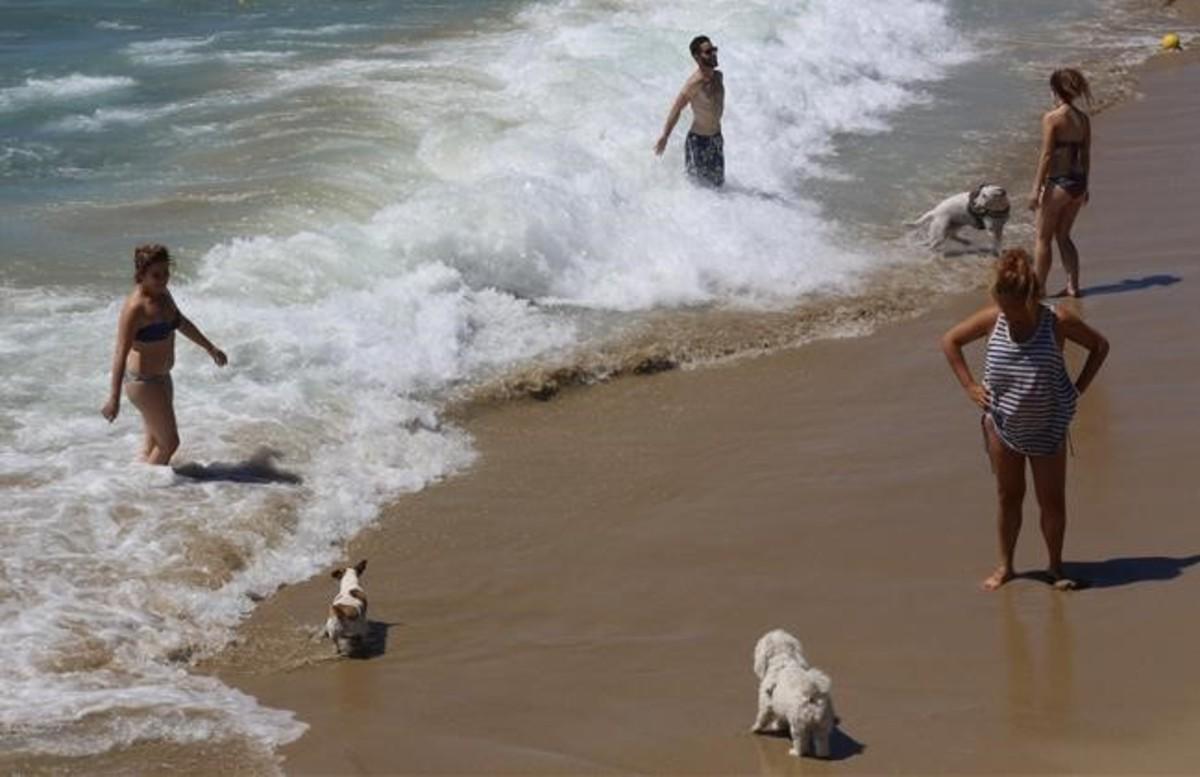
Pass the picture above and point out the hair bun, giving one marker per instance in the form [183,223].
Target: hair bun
[1014,277]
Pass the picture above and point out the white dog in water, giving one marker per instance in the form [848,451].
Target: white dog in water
[793,694]
[347,623]
[986,207]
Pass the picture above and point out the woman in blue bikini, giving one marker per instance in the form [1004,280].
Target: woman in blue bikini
[1060,185]
[1028,401]
[145,352]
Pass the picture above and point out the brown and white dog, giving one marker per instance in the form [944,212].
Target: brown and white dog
[347,623]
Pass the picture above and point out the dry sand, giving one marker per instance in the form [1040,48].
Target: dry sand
[587,598]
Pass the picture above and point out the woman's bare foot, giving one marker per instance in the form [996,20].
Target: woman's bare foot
[998,578]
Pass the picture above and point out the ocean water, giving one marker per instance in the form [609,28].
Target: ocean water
[378,206]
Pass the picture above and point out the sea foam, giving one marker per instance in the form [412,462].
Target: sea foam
[36,91]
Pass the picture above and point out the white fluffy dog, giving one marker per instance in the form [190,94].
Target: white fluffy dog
[986,207]
[793,694]
[347,623]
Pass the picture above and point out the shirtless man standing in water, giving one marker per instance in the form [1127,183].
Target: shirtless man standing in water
[704,151]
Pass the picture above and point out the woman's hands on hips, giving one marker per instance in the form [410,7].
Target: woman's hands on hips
[980,395]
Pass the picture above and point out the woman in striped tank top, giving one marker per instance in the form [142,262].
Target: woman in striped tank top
[1028,401]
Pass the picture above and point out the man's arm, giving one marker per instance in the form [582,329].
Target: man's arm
[681,102]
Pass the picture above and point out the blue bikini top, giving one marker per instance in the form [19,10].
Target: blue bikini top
[159,330]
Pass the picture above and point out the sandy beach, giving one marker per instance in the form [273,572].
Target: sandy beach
[587,597]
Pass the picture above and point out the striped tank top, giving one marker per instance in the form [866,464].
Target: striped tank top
[1033,397]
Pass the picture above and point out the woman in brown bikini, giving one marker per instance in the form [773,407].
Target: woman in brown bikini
[145,352]
[1060,186]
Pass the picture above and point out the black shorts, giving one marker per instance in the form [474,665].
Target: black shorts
[704,156]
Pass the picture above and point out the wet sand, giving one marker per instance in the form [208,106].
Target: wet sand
[587,598]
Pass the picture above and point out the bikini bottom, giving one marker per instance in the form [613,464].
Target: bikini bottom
[160,379]
[1074,184]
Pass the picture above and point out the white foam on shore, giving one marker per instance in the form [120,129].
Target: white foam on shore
[325,31]
[533,169]
[113,569]
[117,26]
[103,118]
[35,91]
[178,52]
[169,51]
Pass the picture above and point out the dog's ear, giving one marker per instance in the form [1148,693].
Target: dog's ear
[994,193]
[361,566]
[337,573]
[761,653]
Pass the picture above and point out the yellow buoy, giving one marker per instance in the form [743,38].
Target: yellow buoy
[1170,42]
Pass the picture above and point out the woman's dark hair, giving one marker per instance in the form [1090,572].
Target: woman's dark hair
[696,43]
[1015,279]
[1069,84]
[146,256]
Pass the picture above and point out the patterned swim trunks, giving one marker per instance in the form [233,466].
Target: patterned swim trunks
[704,156]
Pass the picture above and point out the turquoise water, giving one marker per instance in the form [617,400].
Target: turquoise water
[115,115]
[376,205]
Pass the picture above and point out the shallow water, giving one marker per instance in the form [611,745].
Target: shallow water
[375,207]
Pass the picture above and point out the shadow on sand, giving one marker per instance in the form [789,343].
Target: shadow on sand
[259,468]
[1117,572]
[374,643]
[1127,571]
[1130,284]
[841,744]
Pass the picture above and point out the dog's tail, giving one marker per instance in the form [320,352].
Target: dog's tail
[919,220]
